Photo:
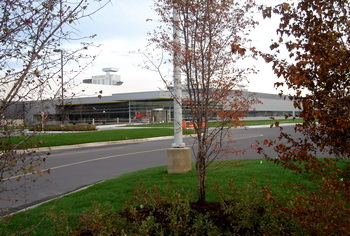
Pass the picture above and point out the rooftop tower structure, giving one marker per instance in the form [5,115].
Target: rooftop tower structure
[110,78]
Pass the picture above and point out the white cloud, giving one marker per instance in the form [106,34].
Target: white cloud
[122,28]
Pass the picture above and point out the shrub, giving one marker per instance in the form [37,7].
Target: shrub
[63,128]
[102,221]
[250,210]
[325,210]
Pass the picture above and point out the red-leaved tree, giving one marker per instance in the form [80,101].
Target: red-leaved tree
[315,36]
[206,30]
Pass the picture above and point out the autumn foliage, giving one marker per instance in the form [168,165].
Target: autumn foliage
[206,32]
[315,38]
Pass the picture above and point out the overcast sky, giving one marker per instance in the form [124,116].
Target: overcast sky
[121,28]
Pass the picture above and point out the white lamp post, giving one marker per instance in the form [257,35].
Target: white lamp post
[178,139]
[179,156]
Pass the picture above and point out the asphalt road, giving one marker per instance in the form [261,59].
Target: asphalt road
[72,169]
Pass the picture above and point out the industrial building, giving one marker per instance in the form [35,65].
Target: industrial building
[146,107]
[99,100]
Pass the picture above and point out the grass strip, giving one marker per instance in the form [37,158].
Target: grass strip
[269,122]
[50,140]
[247,123]
[159,130]
[114,192]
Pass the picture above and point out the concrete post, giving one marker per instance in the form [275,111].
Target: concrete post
[179,160]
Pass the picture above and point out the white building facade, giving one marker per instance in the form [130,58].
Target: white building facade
[147,107]
[110,78]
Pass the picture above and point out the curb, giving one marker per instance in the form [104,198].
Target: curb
[98,144]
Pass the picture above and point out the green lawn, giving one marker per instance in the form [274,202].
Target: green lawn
[247,123]
[158,130]
[113,193]
[50,140]
[268,122]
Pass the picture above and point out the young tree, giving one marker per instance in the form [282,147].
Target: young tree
[315,34]
[31,34]
[206,31]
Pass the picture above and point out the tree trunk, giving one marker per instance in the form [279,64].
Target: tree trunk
[201,173]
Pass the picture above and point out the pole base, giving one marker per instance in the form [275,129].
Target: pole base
[179,160]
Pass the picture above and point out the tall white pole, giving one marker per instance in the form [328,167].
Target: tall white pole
[62,90]
[179,156]
[178,140]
